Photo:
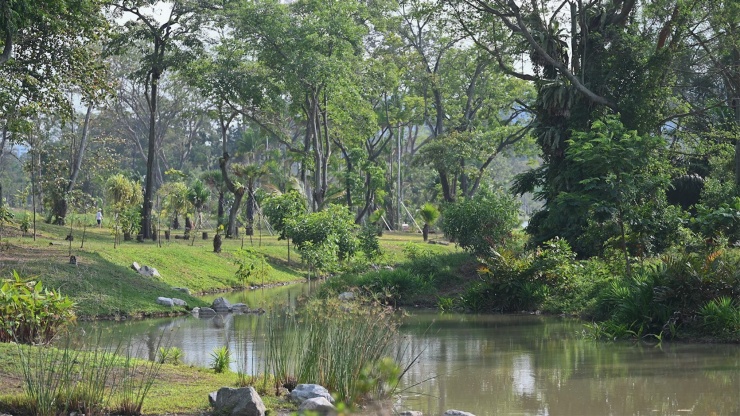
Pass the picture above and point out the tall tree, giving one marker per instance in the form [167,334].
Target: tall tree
[588,58]
[470,106]
[48,49]
[313,49]
[166,35]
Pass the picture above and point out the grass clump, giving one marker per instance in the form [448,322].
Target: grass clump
[342,346]
[220,359]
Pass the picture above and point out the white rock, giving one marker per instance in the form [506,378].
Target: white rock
[453,412]
[165,301]
[346,296]
[303,392]
[179,302]
[319,405]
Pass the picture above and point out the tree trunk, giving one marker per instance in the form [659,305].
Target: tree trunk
[60,208]
[146,211]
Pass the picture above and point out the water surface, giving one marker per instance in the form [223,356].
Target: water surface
[491,364]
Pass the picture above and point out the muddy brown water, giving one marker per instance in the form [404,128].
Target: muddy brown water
[487,364]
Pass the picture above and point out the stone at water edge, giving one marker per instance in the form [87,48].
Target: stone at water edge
[303,392]
[240,308]
[206,312]
[237,402]
[221,305]
[453,412]
[319,405]
[165,302]
[411,413]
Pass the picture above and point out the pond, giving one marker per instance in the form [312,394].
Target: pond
[491,364]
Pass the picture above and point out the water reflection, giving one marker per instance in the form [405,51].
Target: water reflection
[527,365]
[493,365]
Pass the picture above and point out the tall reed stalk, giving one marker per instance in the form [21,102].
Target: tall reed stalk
[46,373]
[136,379]
[334,344]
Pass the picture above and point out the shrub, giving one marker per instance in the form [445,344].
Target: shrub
[721,316]
[482,223]
[323,237]
[30,313]
[253,268]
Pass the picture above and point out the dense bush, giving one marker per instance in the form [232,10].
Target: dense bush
[482,223]
[323,237]
[32,314]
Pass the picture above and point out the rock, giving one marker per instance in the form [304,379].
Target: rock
[389,268]
[165,302]
[149,271]
[240,308]
[453,412]
[135,266]
[212,398]
[195,311]
[182,289]
[411,413]
[179,302]
[206,312]
[344,296]
[221,305]
[237,402]
[303,392]
[319,405]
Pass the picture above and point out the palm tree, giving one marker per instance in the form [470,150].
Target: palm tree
[198,194]
[429,213]
[251,173]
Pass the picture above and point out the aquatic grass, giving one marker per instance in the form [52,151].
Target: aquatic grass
[330,343]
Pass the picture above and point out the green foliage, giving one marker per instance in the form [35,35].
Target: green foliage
[175,199]
[122,193]
[721,316]
[341,345]
[323,237]
[368,242]
[31,313]
[482,223]
[130,220]
[719,222]
[25,224]
[169,355]
[253,268]
[280,208]
[429,213]
[220,359]
[621,188]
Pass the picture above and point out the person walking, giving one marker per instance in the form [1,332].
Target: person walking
[99,217]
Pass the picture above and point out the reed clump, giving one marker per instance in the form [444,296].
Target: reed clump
[343,346]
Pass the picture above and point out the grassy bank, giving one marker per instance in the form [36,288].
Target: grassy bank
[103,284]
[177,389]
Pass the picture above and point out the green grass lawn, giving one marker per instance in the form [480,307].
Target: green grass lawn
[103,283]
